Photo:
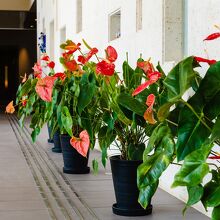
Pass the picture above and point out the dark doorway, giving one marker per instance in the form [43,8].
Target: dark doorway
[9,76]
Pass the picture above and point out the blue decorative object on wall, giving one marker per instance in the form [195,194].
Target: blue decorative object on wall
[42,42]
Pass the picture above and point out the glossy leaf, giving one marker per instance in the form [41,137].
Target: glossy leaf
[194,168]
[195,193]
[67,121]
[216,213]
[179,79]
[146,194]
[135,152]
[131,103]
[87,91]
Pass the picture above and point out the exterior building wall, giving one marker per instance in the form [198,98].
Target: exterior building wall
[170,31]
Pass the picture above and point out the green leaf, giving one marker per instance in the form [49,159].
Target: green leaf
[87,91]
[34,133]
[146,193]
[135,152]
[131,103]
[95,166]
[211,196]
[164,111]
[194,168]
[67,121]
[209,86]
[154,165]
[216,213]
[157,135]
[195,193]
[191,133]
[216,130]
[179,79]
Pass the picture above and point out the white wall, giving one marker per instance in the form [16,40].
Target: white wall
[193,24]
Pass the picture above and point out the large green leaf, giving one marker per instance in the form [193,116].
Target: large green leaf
[146,193]
[195,193]
[194,168]
[131,103]
[67,121]
[209,86]
[154,165]
[191,133]
[216,213]
[87,91]
[179,79]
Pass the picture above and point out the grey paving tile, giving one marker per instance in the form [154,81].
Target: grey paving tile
[19,194]
[25,215]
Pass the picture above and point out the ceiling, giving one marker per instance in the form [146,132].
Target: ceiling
[16,5]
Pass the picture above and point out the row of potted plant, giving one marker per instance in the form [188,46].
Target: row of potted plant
[142,111]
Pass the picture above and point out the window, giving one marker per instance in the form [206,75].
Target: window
[52,40]
[173,30]
[79,16]
[115,25]
[138,15]
[62,36]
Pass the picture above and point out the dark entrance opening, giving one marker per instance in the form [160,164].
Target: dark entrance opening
[9,74]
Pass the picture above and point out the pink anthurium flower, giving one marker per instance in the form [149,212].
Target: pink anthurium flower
[44,88]
[203,60]
[82,143]
[10,108]
[37,70]
[150,100]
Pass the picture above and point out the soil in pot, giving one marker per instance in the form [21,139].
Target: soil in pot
[57,145]
[74,163]
[124,174]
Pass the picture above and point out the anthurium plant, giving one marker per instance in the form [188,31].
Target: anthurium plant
[185,130]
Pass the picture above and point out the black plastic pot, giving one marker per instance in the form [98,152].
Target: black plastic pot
[74,163]
[124,174]
[57,145]
[50,139]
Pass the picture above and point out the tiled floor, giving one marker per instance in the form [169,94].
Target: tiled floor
[20,197]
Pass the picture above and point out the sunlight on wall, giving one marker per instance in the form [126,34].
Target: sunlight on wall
[24,61]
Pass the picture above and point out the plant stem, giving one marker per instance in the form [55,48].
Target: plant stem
[171,122]
[199,117]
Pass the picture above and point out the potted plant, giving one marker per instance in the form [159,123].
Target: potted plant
[127,123]
[193,123]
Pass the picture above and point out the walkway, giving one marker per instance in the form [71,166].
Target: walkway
[32,185]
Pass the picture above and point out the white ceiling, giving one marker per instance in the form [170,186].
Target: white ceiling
[16,5]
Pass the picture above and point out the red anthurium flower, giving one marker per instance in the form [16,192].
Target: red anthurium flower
[71,65]
[105,68]
[81,59]
[150,100]
[200,59]
[72,46]
[82,143]
[45,58]
[214,157]
[44,88]
[10,108]
[213,36]
[51,65]
[146,66]
[62,76]
[85,59]
[149,115]
[111,54]
[152,79]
